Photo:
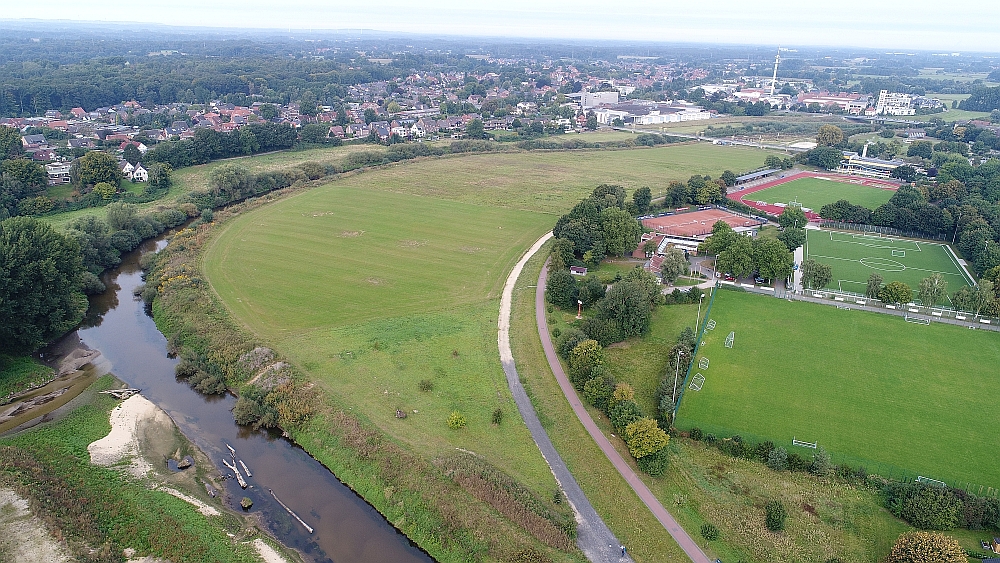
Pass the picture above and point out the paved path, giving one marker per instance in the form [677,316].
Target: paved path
[680,536]
[593,536]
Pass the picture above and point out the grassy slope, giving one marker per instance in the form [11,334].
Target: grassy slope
[18,373]
[908,397]
[845,251]
[814,193]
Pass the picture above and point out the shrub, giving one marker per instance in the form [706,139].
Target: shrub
[498,416]
[709,532]
[775,515]
[654,464]
[568,340]
[456,420]
[695,434]
[821,465]
[425,385]
[622,392]
[710,438]
[556,332]
[798,463]
[778,459]
[923,506]
[598,391]
[926,547]
[763,450]
[623,414]
[644,437]
[582,359]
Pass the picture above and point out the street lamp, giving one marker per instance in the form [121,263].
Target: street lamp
[698,319]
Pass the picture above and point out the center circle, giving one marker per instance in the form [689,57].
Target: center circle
[883,264]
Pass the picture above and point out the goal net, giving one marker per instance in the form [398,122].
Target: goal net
[730,339]
[703,363]
[696,382]
[710,325]
[916,320]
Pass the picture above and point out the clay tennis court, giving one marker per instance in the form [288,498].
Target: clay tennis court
[696,223]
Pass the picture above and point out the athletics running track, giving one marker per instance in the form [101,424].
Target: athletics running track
[742,195]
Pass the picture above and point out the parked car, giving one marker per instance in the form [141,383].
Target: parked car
[729,277]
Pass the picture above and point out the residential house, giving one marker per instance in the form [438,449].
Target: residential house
[58,173]
[81,143]
[578,270]
[43,155]
[139,174]
[126,168]
[34,142]
[142,148]
[337,131]
[914,133]
[78,113]
[381,130]
[356,130]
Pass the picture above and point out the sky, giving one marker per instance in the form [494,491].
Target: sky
[969,25]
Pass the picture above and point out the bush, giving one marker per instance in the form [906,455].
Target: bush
[456,420]
[654,464]
[821,465]
[498,416]
[584,357]
[643,437]
[775,516]
[778,459]
[556,332]
[923,506]
[425,385]
[798,463]
[709,532]
[623,414]
[568,340]
[711,438]
[695,434]
[598,391]
[926,547]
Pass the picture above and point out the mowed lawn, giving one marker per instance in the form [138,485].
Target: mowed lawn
[861,384]
[854,256]
[371,292]
[554,182]
[814,193]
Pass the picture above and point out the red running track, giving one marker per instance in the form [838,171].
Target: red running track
[811,215]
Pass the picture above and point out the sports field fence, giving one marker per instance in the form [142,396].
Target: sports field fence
[863,228]
[848,300]
[870,467]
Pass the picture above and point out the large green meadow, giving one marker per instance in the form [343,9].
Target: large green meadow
[853,257]
[870,388]
[814,193]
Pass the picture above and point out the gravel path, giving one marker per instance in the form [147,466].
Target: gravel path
[682,538]
[594,538]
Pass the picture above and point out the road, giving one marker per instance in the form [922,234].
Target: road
[594,537]
[685,541]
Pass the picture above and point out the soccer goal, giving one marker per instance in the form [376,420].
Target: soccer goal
[710,325]
[802,444]
[916,320]
[730,339]
[703,363]
[900,253]
[929,481]
[696,382]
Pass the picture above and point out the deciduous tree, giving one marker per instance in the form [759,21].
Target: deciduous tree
[674,265]
[874,286]
[772,258]
[621,231]
[642,196]
[643,437]
[737,259]
[40,295]
[829,135]
[932,289]
[794,217]
[560,289]
[97,166]
[896,293]
[793,238]
[815,275]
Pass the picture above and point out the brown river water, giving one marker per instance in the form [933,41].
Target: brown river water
[347,529]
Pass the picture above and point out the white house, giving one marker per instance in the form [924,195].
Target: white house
[139,174]
[127,169]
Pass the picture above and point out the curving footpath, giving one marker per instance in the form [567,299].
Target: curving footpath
[593,536]
[680,536]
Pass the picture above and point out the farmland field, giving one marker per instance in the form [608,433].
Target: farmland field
[865,386]
[814,193]
[854,256]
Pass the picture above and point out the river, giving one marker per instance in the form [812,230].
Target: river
[347,529]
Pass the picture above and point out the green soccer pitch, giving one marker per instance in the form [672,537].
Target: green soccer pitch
[870,388]
[854,256]
[814,193]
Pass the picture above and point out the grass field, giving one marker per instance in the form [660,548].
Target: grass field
[371,292]
[863,385]
[854,256]
[18,373]
[539,181]
[814,193]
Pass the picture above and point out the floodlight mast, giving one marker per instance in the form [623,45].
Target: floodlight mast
[774,77]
